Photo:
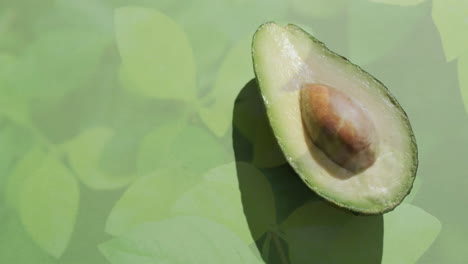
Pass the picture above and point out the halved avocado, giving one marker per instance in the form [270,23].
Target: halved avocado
[340,129]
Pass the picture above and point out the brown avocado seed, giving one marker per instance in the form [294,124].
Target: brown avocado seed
[338,126]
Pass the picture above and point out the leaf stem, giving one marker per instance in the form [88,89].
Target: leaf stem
[266,247]
[281,252]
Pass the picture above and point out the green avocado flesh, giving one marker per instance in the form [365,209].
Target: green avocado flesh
[287,59]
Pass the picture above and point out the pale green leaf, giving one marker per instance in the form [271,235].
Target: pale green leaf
[156,54]
[147,199]
[409,232]
[84,153]
[24,168]
[234,73]
[15,143]
[16,246]
[399,2]
[375,29]
[156,146]
[48,205]
[451,19]
[318,8]
[179,240]
[463,78]
[235,195]
[180,145]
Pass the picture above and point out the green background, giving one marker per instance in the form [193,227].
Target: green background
[133,132]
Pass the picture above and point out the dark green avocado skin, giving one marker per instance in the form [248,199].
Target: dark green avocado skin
[414,149]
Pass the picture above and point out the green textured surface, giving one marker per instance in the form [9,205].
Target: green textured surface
[115,115]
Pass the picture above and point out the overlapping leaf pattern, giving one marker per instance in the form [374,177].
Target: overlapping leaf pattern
[136,102]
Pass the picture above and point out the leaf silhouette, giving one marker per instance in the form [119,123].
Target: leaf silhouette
[203,241]
[156,54]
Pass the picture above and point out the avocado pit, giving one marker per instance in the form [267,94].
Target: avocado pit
[338,126]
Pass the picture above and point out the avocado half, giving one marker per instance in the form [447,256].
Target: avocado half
[366,168]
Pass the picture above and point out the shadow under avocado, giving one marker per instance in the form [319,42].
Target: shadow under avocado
[306,229]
